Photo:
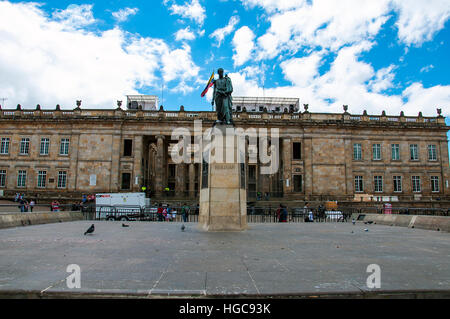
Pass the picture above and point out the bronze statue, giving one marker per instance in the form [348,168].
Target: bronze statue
[222,97]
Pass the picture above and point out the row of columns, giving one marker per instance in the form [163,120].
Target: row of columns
[186,172]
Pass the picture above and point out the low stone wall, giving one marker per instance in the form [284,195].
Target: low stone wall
[25,219]
[441,223]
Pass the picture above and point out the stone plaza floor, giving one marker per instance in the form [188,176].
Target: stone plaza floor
[151,258]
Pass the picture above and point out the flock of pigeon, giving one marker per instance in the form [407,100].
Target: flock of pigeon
[92,228]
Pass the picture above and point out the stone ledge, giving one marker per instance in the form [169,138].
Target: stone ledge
[441,223]
[25,219]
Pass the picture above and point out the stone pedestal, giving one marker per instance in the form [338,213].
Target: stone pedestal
[223,197]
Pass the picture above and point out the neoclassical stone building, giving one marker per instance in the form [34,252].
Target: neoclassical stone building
[323,156]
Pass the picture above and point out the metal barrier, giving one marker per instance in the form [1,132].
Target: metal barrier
[137,213]
[295,215]
[255,214]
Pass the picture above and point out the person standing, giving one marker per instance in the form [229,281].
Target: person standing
[22,204]
[284,214]
[160,212]
[185,212]
[55,206]
[32,203]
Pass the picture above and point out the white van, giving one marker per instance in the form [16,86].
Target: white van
[119,206]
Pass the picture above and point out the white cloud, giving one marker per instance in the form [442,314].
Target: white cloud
[189,10]
[427,68]
[220,34]
[349,81]
[322,23]
[75,16]
[44,62]
[427,100]
[243,45]
[184,34]
[301,71]
[420,20]
[273,5]
[332,24]
[123,14]
[178,64]
[383,79]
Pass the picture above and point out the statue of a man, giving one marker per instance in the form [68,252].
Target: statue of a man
[222,97]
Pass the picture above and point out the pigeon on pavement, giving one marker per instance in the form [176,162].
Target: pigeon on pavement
[182,227]
[90,230]
[125,225]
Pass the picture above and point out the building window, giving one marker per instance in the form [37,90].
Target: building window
[127,147]
[21,178]
[4,149]
[397,183]
[24,146]
[376,152]
[416,184]
[414,152]
[64,146]
[2,177]
[357,152]
[126,180]
[434,184]
[42,179]
[297,150]
[172,170]
[298,183]
[45,144]
[378,184]
[62,179]
[359,186]
[395,151]
[432,154]
[252,173]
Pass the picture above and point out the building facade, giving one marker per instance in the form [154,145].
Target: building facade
[323,156]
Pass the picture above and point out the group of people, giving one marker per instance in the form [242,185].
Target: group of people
[169,214]
[24,204]
[259,196]
[282,214]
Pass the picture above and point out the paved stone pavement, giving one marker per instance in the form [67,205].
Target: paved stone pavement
[267,259]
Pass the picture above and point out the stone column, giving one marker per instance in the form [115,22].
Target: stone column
[180,179]
[191,180]
[287,167]
[444,181]
[348,148]
[159,173]
[308,176]
[137,167]
[115,164]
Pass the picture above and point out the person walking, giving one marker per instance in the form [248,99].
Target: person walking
[32,203]
[185,212]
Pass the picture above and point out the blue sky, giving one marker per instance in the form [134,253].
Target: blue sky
[379,55]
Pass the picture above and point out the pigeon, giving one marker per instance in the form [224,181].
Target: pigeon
[125,225]
[182,227]
[90,230]
[365,229]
